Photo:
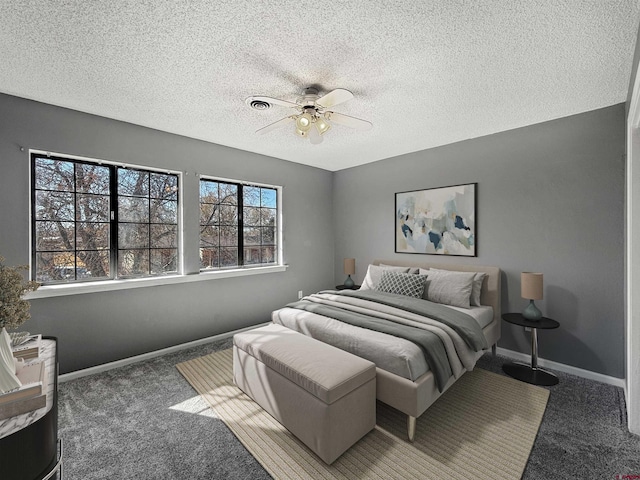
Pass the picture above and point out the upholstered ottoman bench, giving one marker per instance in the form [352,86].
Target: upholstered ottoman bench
[323,395]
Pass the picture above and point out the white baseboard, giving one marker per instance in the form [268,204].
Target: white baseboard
[561,367]
[146,356]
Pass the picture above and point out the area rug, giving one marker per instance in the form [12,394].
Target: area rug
[483,427]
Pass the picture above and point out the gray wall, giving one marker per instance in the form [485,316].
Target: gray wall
[550,199]
[101,327]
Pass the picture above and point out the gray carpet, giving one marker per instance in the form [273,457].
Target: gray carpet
[142,421]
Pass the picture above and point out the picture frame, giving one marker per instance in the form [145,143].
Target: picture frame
[437,221]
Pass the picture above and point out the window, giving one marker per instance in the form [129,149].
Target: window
[94,221]
[238,225]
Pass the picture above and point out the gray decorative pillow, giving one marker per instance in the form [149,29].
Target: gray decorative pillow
[449,287]
[407,284]
[374,274]
[476,286]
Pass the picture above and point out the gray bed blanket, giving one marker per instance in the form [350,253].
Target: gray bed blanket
[459,333]
[462,323]
[430,343]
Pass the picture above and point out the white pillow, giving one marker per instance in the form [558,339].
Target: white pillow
[448,287]
[411,269]
[476,287]
[374,274]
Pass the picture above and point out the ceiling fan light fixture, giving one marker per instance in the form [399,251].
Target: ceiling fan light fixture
[322,125]
[303,122]
[302,133]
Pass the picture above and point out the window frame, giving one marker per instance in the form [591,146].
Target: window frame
[188,273]
[278,234]
[113,220]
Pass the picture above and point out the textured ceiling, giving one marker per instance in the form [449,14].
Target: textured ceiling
[425,73]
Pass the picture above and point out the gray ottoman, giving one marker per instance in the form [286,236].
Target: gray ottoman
[323,395]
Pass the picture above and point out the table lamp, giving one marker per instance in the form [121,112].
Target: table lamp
[531,288]
[349,269]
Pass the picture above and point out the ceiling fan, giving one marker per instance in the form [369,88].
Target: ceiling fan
[312,118]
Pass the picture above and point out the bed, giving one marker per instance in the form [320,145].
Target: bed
[406,380]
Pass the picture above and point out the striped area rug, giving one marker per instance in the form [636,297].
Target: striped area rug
[483,427]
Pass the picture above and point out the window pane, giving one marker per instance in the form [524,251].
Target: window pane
[228,193]
[268,198]
[54,175]
[54,206]
[268,217]
[133,209]
[133,262]
[268,236]
[228,257]
[251,236]
[209,258]
[164,261]
[208,191]
[228,236]
[54,236]
[251,216]
[92,179]
[164,236]
[228,215]
[45,271]
[133,182]
[209,214]
[164,211]
[251,196]
[92,208]
[133,235]
[209,237]
[252,255]
[92,236]
[95,264]
[164,186]
[269,255]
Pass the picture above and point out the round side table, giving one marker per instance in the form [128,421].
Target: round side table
[530,373]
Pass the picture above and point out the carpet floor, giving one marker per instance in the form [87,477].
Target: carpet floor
[483,427]
[144,421]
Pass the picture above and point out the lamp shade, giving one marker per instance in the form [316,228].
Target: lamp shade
[349,266]
[531,285]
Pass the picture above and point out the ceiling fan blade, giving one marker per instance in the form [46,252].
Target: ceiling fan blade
[314,136]
[347,121]
[334,97]
[280,123]
[271,100]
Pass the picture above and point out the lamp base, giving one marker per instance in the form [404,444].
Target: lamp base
[531,312]
[349,282]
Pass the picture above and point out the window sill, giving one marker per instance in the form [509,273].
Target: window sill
[47,291]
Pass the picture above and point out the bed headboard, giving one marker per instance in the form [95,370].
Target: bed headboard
[490,294]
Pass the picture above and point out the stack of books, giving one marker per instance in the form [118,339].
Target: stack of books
[22,383]
[28,348]
[31,395]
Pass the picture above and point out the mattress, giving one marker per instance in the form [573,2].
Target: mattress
[395,355]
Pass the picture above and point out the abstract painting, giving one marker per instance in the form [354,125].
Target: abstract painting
[437,221]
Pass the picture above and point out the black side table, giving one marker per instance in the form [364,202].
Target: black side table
[344,287]
[530,374]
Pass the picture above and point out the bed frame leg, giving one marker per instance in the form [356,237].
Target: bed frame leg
[494,347]
[411,427]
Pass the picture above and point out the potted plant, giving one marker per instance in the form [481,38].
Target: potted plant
[14,310]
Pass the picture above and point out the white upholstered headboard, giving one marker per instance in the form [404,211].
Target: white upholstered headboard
[490,294]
